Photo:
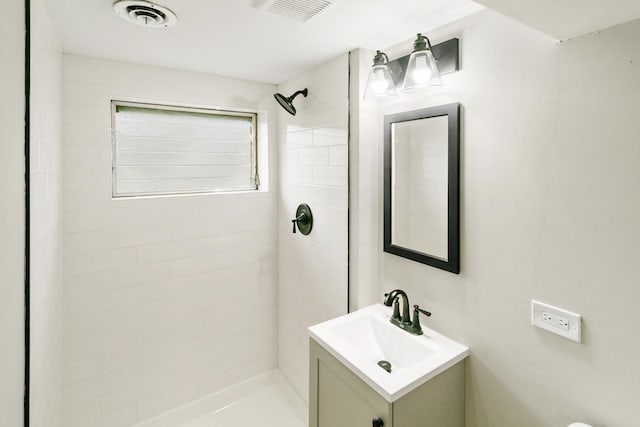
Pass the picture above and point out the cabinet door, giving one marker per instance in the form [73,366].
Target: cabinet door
[338,398]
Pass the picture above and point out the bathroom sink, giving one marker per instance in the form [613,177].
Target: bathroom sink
[377,339]
[365,339]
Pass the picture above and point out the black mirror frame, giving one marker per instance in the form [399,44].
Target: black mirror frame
[452,111]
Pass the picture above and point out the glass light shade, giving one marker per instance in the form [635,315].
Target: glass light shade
[380,83]
[422,71]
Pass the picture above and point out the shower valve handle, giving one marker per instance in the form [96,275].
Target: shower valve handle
[301,218]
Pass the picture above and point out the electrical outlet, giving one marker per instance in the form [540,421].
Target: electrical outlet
[553,320]
[556,320]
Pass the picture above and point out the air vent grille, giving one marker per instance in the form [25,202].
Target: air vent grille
[145,13]
[300,10]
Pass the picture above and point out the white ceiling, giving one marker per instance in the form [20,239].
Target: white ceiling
[231,38]
[566,19]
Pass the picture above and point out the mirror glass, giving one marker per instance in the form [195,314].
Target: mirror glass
[421,185]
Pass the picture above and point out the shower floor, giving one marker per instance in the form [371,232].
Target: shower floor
[267,401]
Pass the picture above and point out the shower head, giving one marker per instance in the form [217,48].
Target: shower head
[287,103]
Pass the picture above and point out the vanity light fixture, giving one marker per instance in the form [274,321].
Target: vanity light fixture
[380,83]
[421,69]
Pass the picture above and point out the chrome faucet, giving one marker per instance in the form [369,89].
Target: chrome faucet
[404,321]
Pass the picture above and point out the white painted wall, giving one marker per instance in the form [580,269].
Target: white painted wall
[313,153]
[365,185]
[45,402]
[12,213]
[549,209]
[167,299]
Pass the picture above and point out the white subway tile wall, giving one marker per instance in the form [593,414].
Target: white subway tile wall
[46,223]
[166,299]
[313,159]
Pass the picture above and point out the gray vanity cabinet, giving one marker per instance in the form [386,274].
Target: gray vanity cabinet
[338,398]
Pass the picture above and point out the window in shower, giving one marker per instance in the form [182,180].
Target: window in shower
[167,150]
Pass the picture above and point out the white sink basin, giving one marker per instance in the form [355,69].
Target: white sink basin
[365,337]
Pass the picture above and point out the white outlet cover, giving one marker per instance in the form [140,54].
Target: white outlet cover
[555,319]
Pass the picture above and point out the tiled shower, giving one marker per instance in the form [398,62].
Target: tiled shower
[161,301]
[167,299]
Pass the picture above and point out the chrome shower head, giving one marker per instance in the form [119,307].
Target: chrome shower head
[287,102]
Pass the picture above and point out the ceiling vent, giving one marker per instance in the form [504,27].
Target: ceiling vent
[145,13]
[299,10]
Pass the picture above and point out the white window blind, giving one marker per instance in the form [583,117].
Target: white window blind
[172,150]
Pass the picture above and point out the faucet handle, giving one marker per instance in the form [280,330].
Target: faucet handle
[415,324]
[416,307]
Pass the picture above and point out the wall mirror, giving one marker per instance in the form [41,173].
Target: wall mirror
[421,186]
